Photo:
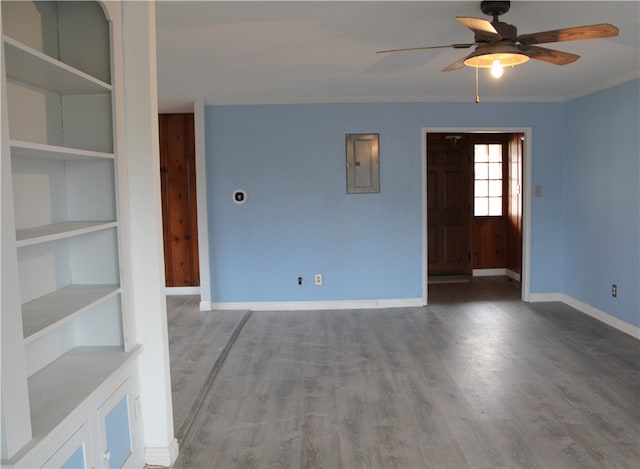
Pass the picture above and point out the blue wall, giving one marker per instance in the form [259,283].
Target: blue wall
[602,200]
[299,221]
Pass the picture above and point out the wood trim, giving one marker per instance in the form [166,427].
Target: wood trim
[201,203]
[162,456]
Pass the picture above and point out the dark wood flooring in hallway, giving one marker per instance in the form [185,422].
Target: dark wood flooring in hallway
[476,379]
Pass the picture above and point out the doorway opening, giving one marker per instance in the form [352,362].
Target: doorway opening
[476,205]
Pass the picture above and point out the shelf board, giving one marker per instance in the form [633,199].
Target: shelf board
[62,386]
[68,229]
[44,314]
[23,149]
[30,66]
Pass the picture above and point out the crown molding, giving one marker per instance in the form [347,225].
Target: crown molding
[605,85]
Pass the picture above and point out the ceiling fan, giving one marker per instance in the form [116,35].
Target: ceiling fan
[498,44]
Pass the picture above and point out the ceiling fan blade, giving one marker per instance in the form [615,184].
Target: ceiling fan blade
[456,65]
[455,46]
[556,57]
[593,31]
[482,28]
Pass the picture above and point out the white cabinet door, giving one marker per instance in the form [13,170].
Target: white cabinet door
[115,428]
[76,453]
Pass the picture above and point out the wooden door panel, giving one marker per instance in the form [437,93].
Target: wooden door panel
[489,243]
[451,155]
[448,248]
[432,243]
[448,205]
[179,210]
[456,198]
[455,244]
[431,190]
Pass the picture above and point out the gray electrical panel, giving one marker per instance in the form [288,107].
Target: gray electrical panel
[363,163]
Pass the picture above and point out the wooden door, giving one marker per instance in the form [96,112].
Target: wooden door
[489,232]
[179,214]
[449,203]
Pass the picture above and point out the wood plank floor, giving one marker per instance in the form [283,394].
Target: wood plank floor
[196,339]
[476,379]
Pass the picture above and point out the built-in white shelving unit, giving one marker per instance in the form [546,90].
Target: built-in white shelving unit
[34,68]
[43,314]
[84,369]
[55,231]
[59,108]
[21,149]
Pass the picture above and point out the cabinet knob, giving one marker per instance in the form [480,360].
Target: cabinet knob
[107,455]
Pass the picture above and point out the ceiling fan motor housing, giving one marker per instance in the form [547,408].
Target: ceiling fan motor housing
[507,31]
[495,8]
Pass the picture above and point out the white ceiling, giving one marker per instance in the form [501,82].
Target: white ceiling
[263,52]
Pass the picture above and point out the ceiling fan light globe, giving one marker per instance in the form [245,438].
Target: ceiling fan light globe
[506,59]
[485,55]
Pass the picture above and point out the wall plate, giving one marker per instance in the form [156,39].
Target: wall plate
[239,196]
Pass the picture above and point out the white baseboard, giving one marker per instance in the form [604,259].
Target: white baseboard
[319,305]
[205,306]
[488,272]
[495,272]
[603,316]
[400,303]
[182,290]
[514,275]
[162,456]
[616,323]
[543,297]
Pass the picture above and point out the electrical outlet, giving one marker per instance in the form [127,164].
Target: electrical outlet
[614,290]
[299,280]
[318,279]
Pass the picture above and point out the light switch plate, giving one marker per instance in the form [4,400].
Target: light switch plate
[538,191]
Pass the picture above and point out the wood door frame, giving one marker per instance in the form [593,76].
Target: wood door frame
[526,200]
[202,210]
